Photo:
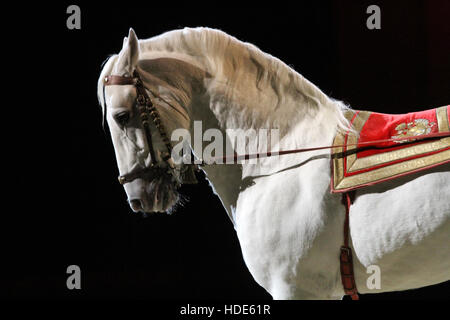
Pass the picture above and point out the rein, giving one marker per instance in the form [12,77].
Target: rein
[149,112]
[359,145]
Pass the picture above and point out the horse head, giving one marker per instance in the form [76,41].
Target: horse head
[140,122]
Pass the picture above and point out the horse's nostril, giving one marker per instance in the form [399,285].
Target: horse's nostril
[136,205]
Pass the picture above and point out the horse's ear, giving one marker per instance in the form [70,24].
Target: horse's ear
[129,55]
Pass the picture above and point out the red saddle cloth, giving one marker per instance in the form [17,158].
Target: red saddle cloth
[362,164]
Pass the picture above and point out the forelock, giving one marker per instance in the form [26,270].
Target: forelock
[107,66]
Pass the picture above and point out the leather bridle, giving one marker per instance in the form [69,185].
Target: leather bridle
[148,112]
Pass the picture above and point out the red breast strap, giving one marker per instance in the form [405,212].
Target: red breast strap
[346,260]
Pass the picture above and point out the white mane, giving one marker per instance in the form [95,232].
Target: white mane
[275,96]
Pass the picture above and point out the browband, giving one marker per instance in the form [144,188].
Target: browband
[119,80]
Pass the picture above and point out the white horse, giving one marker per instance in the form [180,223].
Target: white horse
[288,222]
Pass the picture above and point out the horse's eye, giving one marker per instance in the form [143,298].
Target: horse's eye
[122,118]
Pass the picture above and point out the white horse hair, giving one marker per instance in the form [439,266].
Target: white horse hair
[288,223]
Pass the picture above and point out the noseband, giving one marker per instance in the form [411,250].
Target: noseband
[147,111]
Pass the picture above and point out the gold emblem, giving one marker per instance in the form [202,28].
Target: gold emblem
[417,127]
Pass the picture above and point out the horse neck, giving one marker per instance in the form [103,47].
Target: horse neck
[299,127]
[302,115]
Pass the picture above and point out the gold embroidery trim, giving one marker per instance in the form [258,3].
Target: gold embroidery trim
[355,164]
[382,158]
[393,170]
[338,158]
[338,163]
[442,119]
[358,124]
[341,182]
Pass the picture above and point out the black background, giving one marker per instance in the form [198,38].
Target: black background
[65,205]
